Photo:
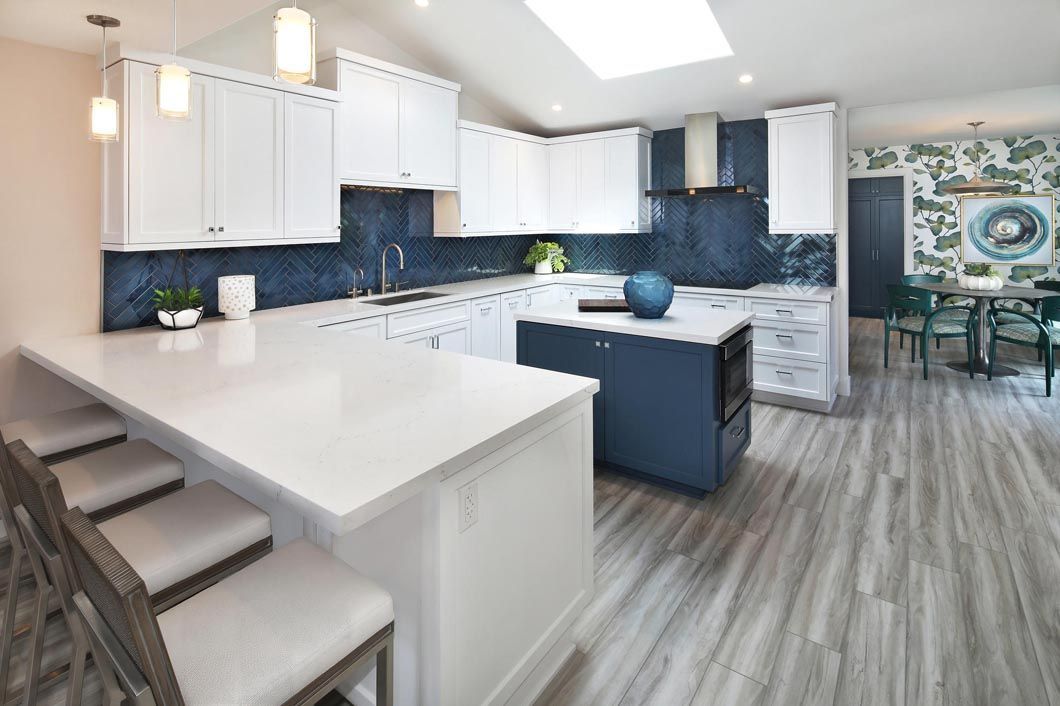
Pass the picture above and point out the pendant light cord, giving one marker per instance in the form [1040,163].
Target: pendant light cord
[103,71]
[174,28]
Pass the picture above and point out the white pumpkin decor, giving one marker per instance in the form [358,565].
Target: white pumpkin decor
[980,278]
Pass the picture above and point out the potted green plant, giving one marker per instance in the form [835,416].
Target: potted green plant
[546,258]
[980,277]
[178,307]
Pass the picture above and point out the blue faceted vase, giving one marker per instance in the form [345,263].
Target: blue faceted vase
[649,294]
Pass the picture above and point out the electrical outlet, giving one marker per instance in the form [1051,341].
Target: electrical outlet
[468,509]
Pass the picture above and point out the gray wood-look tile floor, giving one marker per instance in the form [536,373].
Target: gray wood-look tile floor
[903,550]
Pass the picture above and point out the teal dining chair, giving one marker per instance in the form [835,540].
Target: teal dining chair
[1043,334]
[912,281]
[1006,314]
[910,310]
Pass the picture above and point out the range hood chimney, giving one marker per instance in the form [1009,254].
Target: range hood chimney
[701,162]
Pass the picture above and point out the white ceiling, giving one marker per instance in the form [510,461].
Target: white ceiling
[145,23]
[857,52]
[514,69]
[1022,111]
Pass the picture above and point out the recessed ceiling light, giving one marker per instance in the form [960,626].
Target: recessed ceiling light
[746,78]
[557,107]
[622,38]
[423,3]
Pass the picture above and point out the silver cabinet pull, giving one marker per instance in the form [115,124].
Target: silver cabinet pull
[785,335]
[717,306]
[210,229]
[784,311]
[737,432]
[785,372]
[485,309]
[597,344]
[221,229]
[607,344]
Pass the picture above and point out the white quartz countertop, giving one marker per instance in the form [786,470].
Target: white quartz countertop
[341,428]
[680,323]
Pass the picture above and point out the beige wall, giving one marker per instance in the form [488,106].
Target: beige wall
[49,215]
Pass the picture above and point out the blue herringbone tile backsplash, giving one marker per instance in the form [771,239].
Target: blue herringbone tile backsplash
[694,241]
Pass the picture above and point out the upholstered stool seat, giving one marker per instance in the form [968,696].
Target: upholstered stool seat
[69,431]
[111,476]
[184,533]
[261,635]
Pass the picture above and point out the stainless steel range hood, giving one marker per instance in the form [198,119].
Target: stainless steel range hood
[701,162]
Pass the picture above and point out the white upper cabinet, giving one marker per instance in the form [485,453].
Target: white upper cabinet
[249,166]
[311,156]
[398,125]
[562,186]
[504,184]
[802,169]
[532,184]
[171,165]
[252,165]
[526,184]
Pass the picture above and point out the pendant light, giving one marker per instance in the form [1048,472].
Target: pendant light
[173,84]
[294,45]
[103,111]
[977,184]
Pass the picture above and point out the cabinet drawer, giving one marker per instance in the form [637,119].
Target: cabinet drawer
[733,440]
[783,376]
[709,301]
[797,341]
[568,292]
[374,327]
[789,310]
[407,322]
[604,293]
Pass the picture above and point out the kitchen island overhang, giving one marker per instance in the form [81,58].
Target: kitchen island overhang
[368,449]
[674,406]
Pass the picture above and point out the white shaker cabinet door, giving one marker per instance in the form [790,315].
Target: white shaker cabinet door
[371,124]
[171,164]
[622,192]
[312,186]
[474,182]
[428,134]
[454,339]
[486,328]
[532,186]
[249,147]
[510,304]
[562,186]
[504,171]
[592,187]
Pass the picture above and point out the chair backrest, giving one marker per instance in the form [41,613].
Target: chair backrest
[1050,308]
[8,496]
[904,298]
[1048,284]
[38,490]
[119,595]
[921,279]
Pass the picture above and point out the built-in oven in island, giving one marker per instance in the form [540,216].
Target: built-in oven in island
[735,372]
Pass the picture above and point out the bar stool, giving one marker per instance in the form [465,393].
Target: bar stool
[285,630]
[182,542]
[55,437]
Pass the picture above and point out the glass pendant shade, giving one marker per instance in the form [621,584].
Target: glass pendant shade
[295,46]
[173,91]
[104,113]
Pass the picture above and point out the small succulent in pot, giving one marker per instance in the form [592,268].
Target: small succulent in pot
[178,307]
[980,277]
[546,258]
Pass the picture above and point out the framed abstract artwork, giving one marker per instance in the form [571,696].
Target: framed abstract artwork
[1008,230]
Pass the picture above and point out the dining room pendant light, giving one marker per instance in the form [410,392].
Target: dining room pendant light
[103,111]
[173,83]
[977,184]
[294,45]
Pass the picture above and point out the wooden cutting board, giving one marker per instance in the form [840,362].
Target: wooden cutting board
[603,305]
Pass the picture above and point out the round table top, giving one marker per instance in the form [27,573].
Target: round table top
[1003,293]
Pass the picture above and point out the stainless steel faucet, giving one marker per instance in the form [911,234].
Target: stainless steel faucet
[355,290]
[401,266]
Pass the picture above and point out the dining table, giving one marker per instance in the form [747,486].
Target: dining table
[982,298]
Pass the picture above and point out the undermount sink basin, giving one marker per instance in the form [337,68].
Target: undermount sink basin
[393,299]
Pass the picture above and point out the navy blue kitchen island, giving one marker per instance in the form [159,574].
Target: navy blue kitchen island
[674,403]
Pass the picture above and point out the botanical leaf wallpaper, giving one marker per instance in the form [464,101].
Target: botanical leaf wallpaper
[1031,163]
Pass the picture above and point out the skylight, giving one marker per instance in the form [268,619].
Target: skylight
[624,37]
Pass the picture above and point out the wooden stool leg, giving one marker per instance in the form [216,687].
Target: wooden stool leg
[384,675]
[75,681]
[38,623]
[10,606]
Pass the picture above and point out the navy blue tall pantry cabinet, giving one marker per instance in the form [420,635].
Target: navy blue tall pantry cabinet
[877,242]
[656,415]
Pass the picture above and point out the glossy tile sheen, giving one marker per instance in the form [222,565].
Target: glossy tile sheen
[923,583]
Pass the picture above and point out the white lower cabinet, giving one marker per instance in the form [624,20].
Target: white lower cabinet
[541,296]
[374,327]
[567,292]
[718,302]
[796,341]
[510,303]
[486,328]
[793,378]
[604,293]
[455,338]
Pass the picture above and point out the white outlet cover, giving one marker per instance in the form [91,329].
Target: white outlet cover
[467,507]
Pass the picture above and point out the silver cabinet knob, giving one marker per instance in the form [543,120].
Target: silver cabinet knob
[210,229]
[221,229]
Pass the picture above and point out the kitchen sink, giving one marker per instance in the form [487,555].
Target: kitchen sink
[392,299]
